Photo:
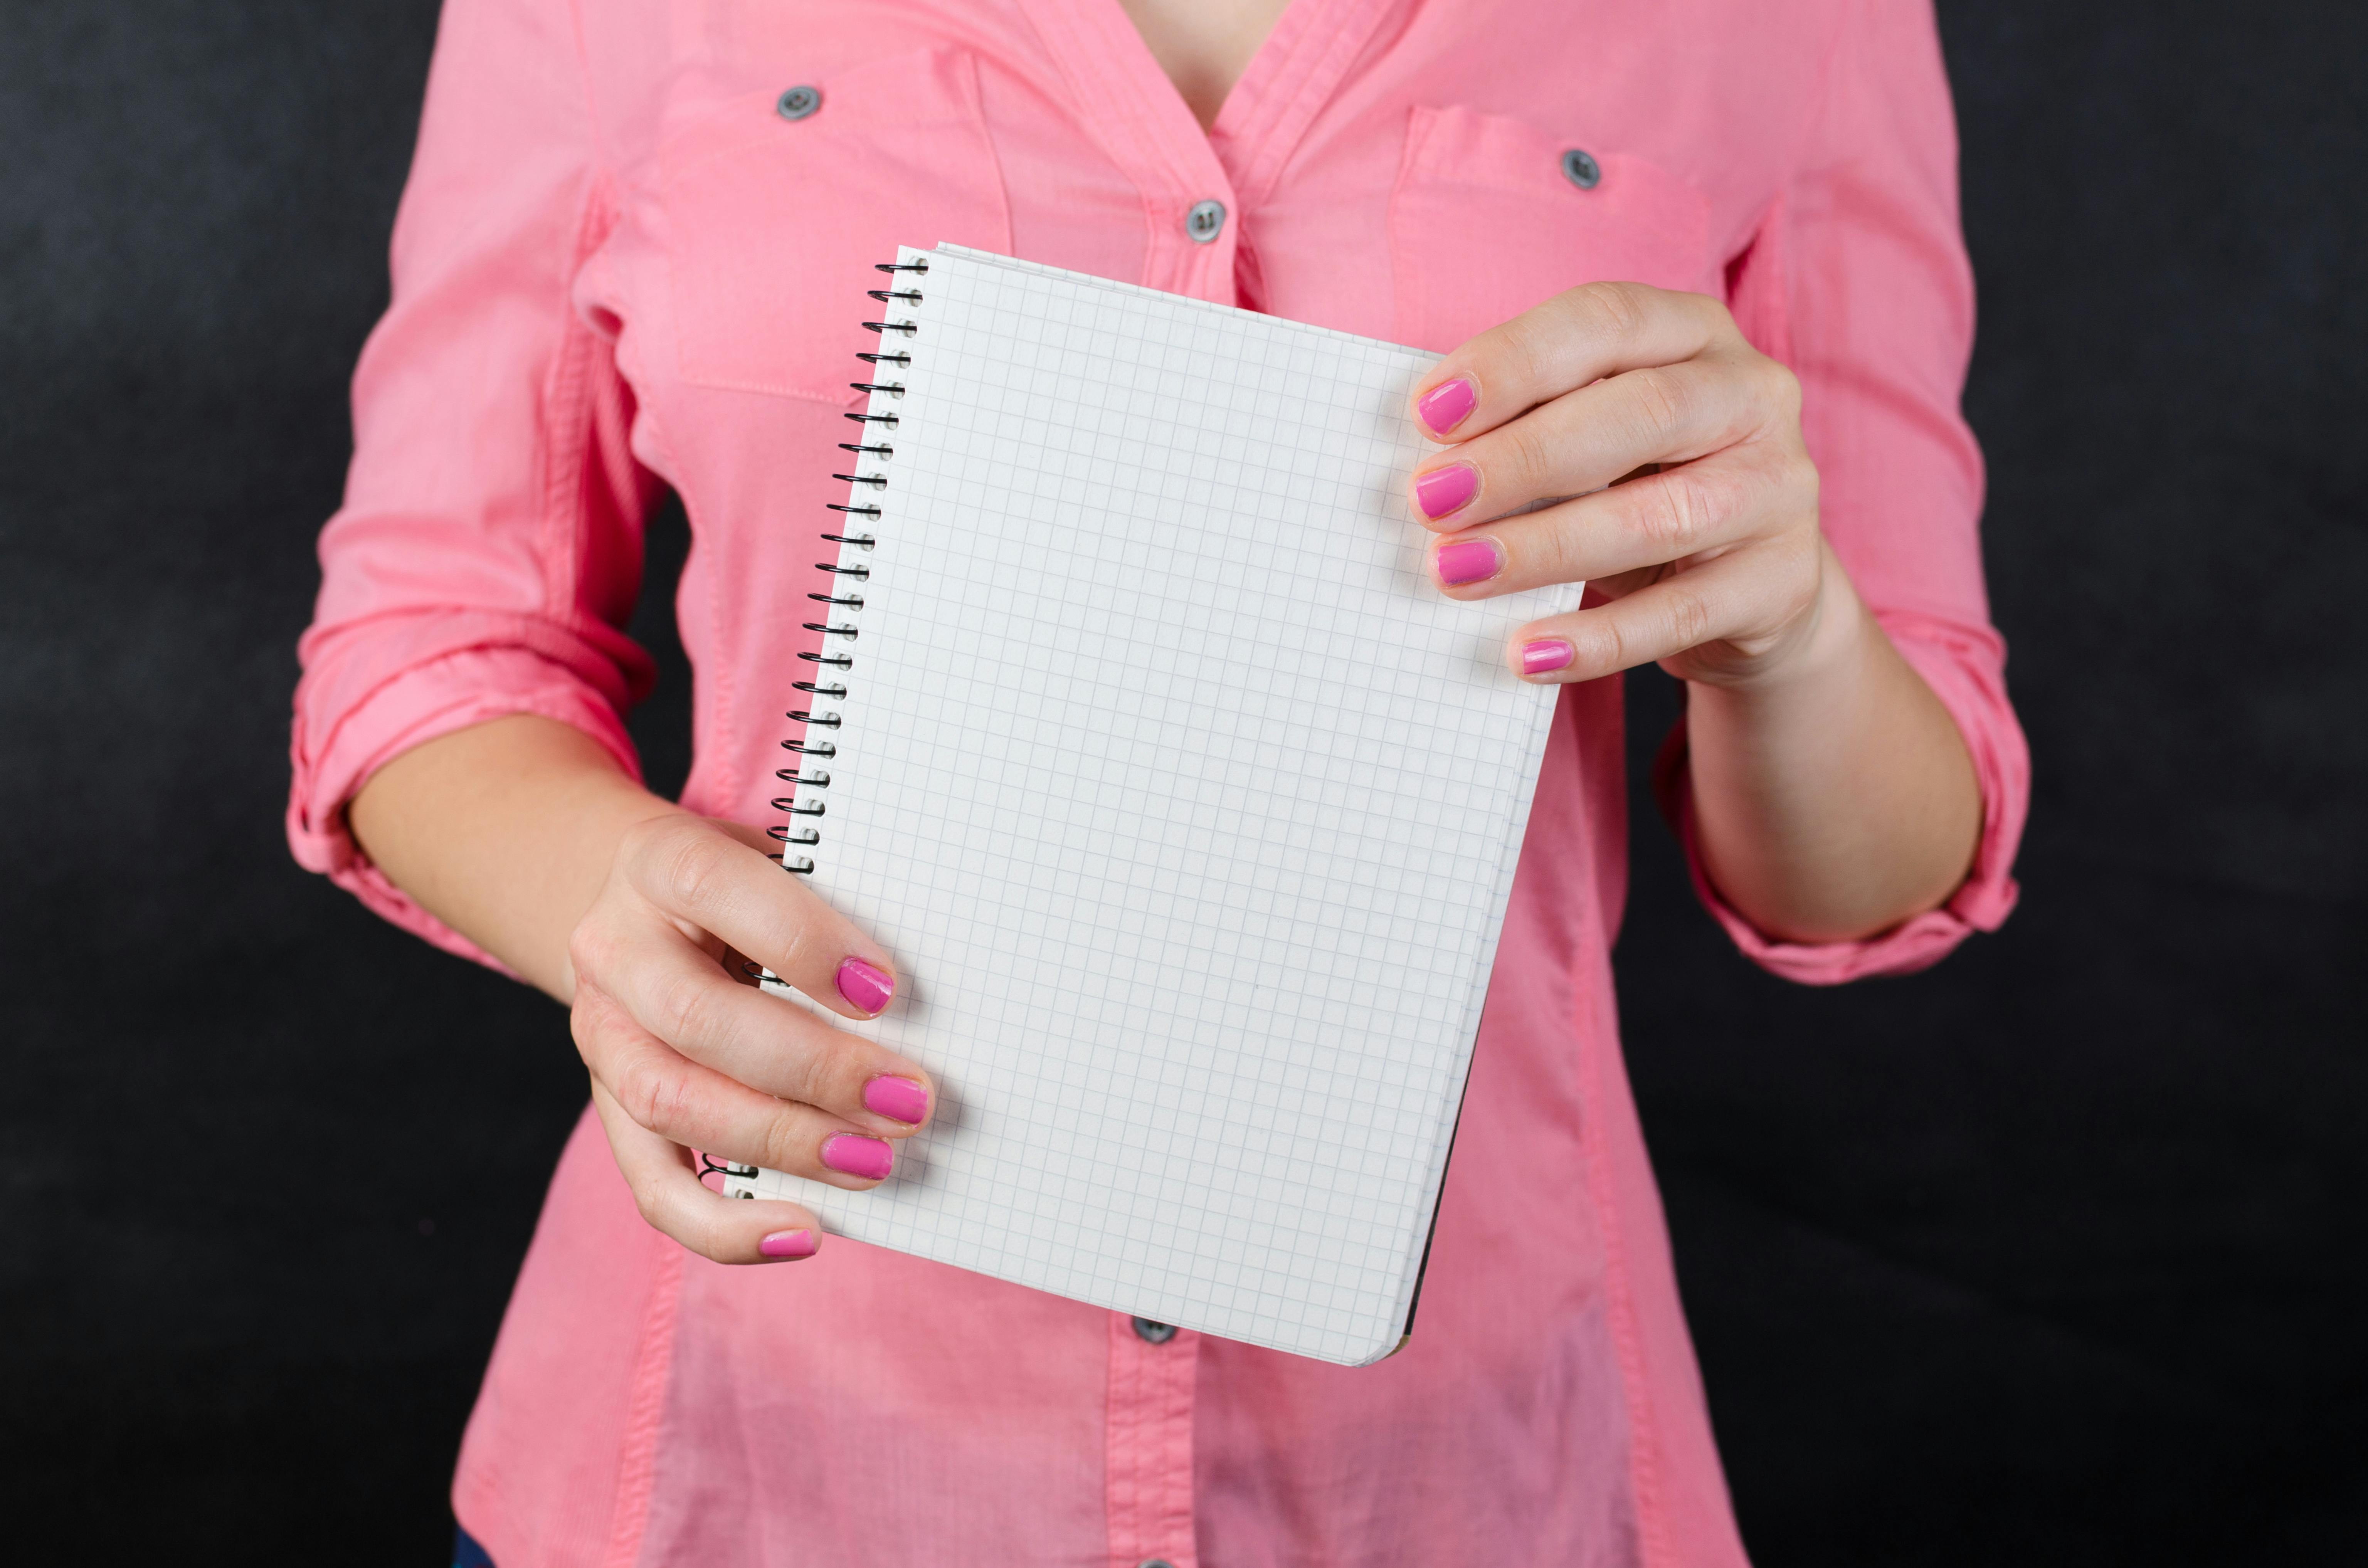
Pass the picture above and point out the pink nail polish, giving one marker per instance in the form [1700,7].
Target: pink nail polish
[1441,491]
[1537,658]
[788,1244]
[900,1098]
[869,1158]
[865,986]
[1474,560]
[1448,404]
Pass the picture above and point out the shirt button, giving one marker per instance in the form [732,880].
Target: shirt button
[1154,1563]
[1154,1332]
[1205,221]
[1581,169]
[799,102]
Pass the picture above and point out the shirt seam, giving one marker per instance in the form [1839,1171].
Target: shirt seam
[1820,103]
[645,1412]
[1084,89]
[1620,1304]
[568,392]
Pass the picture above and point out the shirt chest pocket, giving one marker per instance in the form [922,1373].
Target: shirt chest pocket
[777,201]
[1491,216]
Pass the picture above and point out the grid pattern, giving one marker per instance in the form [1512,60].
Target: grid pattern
[1189,807]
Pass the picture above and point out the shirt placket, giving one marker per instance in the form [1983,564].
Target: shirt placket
[1193,210]
[1124,102]
[1148,1456]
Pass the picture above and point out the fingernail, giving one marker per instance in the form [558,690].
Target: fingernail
[900,1098]
[869,1158]
[1537,658]
[865,986]
[1474,560]
[788,1244]
[1448,404]
[1441,491]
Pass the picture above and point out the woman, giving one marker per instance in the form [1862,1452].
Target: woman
[1707,249]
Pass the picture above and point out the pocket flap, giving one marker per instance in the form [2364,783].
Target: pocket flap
[772,224]
[1484,223]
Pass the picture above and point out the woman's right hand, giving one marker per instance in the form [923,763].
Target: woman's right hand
[685,1055]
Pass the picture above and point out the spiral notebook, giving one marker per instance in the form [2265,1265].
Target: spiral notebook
[1188,805]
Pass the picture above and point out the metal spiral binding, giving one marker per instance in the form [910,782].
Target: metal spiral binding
[846,595]
[709,1167]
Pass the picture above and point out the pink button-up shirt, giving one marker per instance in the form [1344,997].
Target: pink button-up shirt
[620,265]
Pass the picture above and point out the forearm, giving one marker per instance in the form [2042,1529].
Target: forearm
[504,832]
[1838,798]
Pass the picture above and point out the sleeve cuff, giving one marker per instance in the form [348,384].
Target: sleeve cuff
[1964,668]
[333,760]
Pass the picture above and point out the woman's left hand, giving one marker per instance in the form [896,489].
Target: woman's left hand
[1693,504]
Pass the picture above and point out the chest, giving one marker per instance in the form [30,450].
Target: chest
[1406,171]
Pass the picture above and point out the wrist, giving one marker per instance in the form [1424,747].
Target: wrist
[1826,642]
[1833,794]
[504,831]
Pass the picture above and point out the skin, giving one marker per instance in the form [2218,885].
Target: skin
[1204,45]
[1834,797]
[1833,794]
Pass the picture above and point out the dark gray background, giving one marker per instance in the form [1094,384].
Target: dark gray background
[2050,1256]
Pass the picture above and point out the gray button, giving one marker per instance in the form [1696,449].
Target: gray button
[1206,221]
[799,102]
[1154,1563]
[1154,1332]
[1581,169]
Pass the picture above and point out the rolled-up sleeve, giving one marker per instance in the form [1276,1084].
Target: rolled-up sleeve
[1859,281]
[489,549]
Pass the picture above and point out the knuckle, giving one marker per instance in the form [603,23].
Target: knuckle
[649,1196]
[1676,511]
[1772,391]
[584,1023]
[1525,458]
[1618,307]
[1528,346]
[1615,654]
[643,840]
[591,948]
[690,1007]
[691,869]
[1558,553]
[789,1144]
[1689,616]
[817,1067]
[793,943]
[1665,404]
[593,1022]
[652,1096]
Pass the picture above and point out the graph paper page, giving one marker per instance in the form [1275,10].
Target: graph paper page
[1186,803]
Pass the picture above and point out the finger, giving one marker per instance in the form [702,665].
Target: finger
[673,990]
[667,1190]
[1588,438]
[695,872]
[1649,521]
[1579,337]
[1748,593]
[685,1102]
